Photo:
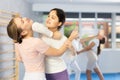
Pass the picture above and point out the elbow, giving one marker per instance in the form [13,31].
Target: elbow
[59,53]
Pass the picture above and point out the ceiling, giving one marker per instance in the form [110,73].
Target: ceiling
[75,1]
[77,5]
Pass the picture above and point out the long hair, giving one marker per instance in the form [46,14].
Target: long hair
[61,16]
[102,41]
[14,32]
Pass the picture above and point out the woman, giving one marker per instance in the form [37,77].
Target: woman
[70,58]
[93,49]
[30,50]
[55,66]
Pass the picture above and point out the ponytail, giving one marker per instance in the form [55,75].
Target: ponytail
[98,49]
[14,32]
[19,37]
[102,41]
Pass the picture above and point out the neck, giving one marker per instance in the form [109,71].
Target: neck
[30,34]
[53,29]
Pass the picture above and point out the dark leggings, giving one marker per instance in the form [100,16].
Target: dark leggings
[58,76]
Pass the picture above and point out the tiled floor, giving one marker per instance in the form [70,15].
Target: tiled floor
[114,76]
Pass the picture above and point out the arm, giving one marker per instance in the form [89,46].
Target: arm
[17,54]
[40,28]
[87,39]
[57,52]
[70,46]
[86,48]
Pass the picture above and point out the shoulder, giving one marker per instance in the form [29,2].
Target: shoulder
[33,39]
[96,41]
[16,45]
[37,41]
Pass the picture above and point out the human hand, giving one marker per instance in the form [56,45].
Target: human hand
[82,41]
[74,33]
[78,52]
[67,43]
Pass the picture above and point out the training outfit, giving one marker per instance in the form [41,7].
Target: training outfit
[31,51]
[92,55]
[71,60]
[55,67]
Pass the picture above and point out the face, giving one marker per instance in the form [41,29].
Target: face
[23,23]
[101,34]
[52,20]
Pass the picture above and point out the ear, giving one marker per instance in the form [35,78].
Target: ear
[24,33]
[60,23]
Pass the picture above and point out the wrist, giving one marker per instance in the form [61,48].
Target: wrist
[70,38]
[67,43]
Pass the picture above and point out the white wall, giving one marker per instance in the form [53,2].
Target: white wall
[108,61]
[16,6]
[71,7]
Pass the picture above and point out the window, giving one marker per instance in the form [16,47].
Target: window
[91,22]
[72,20]
[117,28]
[104,20]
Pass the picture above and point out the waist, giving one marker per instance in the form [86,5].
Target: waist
[54,65]
[34,76]
[34,73]
[39,68]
